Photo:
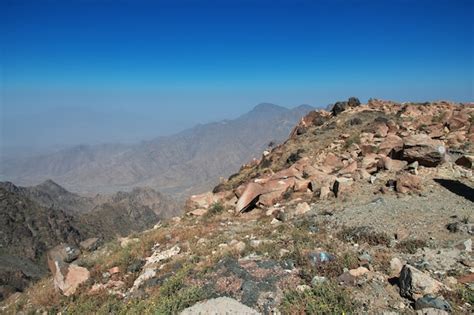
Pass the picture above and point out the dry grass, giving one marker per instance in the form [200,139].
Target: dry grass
[43,294]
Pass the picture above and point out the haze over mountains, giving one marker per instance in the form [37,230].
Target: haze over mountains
[187,162]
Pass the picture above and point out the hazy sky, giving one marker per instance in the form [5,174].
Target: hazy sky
[98,71]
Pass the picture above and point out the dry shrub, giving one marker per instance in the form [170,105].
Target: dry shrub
[43,294]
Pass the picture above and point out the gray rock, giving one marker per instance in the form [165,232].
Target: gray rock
[222,305]
[415,284]
[90,244]
[318,280]
[431,301]
[431,311]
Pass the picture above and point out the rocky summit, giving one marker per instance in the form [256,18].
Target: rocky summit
[364,209]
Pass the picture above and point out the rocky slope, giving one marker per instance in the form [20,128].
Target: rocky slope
[27,231]
[35,219]
[190,161]
[364,209]
[51,195]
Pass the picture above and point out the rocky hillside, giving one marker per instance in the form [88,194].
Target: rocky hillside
[51,195]
[35,219]
[27,230]
[364,209]
[190,161]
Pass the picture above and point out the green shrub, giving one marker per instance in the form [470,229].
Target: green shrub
[215,208]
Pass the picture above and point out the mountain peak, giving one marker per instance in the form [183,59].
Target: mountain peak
[51,186]
[264,107]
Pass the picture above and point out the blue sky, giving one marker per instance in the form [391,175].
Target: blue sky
[99,71]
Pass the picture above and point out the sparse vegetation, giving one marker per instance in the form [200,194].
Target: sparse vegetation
[326,298]
[355,138]
[410,246]
[215,208]
[364,234]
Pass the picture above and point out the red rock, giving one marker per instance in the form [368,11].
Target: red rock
[435,131]
[114,270]
[391,142]
[249,197]
[66,277]
[368,148]
[408,183]
[458,122]
[369,162]
[325,191]
[391,165]
[302,185]
[381,130]
[198,212]
[349,169]
[287,173]
[466,279]
[332,161]
[342,186]
[392,127]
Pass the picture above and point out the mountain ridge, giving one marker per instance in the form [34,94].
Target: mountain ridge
[180,164]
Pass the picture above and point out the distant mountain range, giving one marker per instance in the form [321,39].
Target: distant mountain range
[188,162]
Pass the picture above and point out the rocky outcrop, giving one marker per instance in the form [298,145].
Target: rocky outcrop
[67,277]
[424,150]
[414,284]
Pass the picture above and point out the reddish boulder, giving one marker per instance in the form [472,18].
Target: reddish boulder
[349,169]
[249,197]
[332,161]
[392,143]
[391,165]
[67,277]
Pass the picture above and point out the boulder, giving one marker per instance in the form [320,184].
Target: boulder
[332,161]
[302,185]
[431,311]
[408,183]
[422,148]
[381,130]
[64,252]
[414,284]
[370,162]
[358,272]
[339,107]
[342,186]
[466,161]
[349,169]
[221,305]
[431,301]
[90,244]
[302,208]
[391,145]
[152,265]
[66,277]
[249,197]
[198,212]
[353,101]
[396,267]
[391,165]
